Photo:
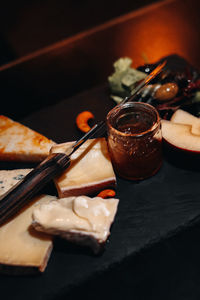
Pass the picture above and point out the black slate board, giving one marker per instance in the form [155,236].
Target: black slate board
[149,211]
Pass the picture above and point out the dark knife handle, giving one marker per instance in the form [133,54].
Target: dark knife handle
[22,193]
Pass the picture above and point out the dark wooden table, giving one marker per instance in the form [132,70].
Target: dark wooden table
[153,253]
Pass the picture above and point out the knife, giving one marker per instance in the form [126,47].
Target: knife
[22,193]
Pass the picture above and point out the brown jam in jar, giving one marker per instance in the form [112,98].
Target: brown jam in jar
[134,140]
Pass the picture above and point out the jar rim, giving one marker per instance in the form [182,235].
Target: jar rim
[119,107]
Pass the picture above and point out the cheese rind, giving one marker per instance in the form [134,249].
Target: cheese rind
[76,218]
[20,143]
[90,170]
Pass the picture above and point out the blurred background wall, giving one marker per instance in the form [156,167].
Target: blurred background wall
[28,25]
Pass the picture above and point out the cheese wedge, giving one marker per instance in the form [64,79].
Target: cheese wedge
[20,143]
[90,170]
[22,249]
[81,219]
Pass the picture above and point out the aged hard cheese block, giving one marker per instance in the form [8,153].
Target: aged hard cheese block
[21,247]
[81,219]
[20,143]
[90,171]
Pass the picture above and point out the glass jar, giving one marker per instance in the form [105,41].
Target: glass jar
[135,140]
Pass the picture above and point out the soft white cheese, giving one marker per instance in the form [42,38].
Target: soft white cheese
[82,214]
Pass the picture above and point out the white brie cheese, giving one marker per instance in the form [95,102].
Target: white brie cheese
[81,216]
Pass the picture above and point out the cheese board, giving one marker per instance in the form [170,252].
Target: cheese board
[149,211]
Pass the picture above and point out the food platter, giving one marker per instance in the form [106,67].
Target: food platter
[149,211]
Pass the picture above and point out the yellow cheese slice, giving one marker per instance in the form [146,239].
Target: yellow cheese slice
[90,170]
[21,246]
[20,143]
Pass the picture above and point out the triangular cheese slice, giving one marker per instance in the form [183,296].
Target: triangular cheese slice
[22,249]
[20,143]
[83,220]
[90,170]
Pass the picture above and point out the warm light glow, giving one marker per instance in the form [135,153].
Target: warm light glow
[152,36]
